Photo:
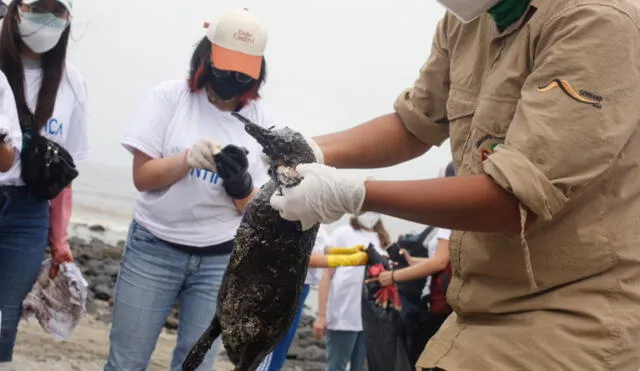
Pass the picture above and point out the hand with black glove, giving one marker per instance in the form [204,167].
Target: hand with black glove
[232,164]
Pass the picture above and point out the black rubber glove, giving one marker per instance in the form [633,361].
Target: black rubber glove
[232,164]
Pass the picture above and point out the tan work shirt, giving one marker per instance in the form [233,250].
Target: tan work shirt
[550,109]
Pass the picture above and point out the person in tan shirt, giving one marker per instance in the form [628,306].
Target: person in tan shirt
[543,115]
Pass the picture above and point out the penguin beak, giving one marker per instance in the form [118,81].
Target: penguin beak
[265,137]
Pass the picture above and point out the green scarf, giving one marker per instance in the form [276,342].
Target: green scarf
[506,12]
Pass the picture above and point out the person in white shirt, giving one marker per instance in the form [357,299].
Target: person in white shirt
[195,179]
[437,263]
[50,92]
[340,293]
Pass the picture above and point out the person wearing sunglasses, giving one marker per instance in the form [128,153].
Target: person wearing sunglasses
[50,95]
[191,198]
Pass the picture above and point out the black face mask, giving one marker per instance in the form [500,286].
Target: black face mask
[229,85]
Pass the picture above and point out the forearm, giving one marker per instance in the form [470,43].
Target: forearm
[474,203]
[7,157]
[381,142]
[59,219]
[425,268]
[318,261]
[242,204]
[153,174]
[323,292]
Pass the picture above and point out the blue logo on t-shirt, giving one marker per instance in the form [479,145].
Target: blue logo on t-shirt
[206,175]
[54,127]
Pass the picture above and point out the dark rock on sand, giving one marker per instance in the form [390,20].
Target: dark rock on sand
[100,264]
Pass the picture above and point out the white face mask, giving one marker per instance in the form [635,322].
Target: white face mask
[468,10]
[369,219]
[41,32]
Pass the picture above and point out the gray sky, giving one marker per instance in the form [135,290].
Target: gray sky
[332,64]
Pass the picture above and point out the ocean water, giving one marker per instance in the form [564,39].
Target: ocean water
[104,195]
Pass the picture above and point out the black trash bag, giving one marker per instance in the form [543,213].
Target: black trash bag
[382,325]
[415,314]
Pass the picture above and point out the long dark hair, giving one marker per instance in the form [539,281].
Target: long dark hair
[200,72]
[379,228]
[52,64]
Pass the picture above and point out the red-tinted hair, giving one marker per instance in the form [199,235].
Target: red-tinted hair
[200,72]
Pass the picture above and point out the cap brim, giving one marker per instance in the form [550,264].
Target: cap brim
[64,3]
[230,60]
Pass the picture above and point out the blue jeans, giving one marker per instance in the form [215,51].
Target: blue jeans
[345,347]
[153,275]
[24,227]
[276,359]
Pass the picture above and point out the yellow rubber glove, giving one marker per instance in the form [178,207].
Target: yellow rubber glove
[343,260]
[344,250]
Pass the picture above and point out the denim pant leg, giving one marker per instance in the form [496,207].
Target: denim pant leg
[359,354]
[280,352]
[340,346]
[151,276]
[24,227]
[198,300]
[276,359]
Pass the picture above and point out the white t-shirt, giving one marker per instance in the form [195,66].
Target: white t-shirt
[322,240]
[432,246]
[195,211]
[8,115]
[344,310]
[68,124]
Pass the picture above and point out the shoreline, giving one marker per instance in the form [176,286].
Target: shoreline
[87,347]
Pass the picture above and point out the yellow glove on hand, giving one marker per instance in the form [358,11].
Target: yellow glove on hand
[344,250]
[343,260]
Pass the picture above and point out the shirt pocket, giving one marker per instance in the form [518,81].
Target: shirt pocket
[491,123]
[460,113]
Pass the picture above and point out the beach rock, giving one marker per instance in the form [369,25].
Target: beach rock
[97,228]
[100,264]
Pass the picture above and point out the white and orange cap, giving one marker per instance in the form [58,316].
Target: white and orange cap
[238,41]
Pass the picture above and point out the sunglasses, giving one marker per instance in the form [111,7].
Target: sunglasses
[239,76]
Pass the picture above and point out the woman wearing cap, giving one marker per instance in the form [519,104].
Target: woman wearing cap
[340,293]
[46,88]
[190,205]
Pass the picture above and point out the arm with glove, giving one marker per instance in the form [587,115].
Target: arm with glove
[233,167]
[339,257]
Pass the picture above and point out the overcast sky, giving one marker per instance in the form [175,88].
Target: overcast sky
[332,64]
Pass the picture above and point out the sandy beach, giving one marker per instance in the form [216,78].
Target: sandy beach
[88,346]
[85,350]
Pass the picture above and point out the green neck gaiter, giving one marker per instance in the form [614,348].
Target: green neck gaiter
[506,12]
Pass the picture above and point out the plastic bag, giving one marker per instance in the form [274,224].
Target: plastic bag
[382,325]
[58,304]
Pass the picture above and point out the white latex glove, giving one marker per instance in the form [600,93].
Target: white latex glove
[323,196]
[201,154]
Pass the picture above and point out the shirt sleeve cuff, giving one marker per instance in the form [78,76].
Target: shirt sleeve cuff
[516,174]
[131,144]
[418,123]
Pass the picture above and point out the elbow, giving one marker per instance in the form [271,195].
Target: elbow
[141,185]
[7,159]
[5,166]
[441,264]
